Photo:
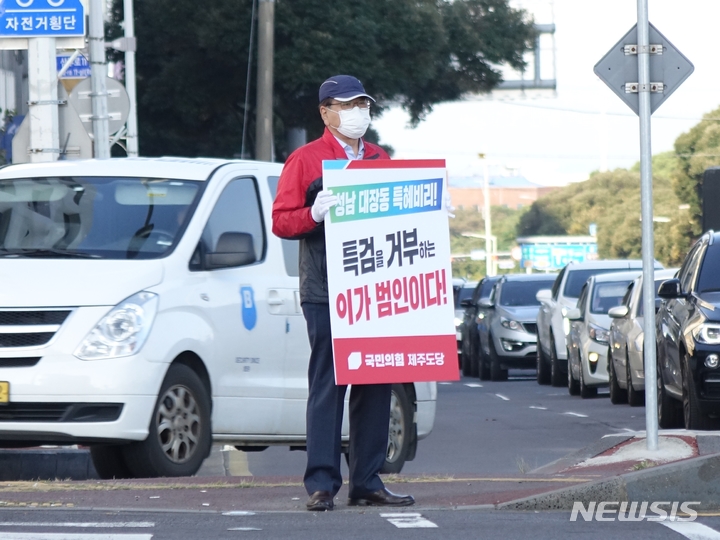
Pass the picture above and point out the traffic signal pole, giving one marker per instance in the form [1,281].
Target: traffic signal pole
[43,100]
[98,73]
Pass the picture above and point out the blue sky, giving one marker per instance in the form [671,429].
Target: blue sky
[554,138]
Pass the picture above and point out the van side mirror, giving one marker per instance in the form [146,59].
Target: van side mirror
[618,312]
[543,295]
[670,289]
[466,302]
[573,314]
[485,303]
[233,249]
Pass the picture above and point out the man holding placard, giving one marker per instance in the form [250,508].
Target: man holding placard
[299,211]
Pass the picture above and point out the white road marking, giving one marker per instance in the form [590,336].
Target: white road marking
[444,383]
[409,521]
[692,530]
[538,408]
[71,536]
[244,529]
[245,512]
[473,385]
[87,525]
[576,414]
[503,397]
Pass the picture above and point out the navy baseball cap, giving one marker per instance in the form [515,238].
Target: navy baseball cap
[342,88]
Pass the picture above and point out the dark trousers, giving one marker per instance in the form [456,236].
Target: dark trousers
[369,418]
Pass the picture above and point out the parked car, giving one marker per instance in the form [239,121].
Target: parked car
[512,328]
[462,292]
[588,333]
[147,312]
[474,322]
[688,340]
[552,346]
[626,372]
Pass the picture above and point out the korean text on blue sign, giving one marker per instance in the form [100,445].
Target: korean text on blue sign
[41,18]
[79,69]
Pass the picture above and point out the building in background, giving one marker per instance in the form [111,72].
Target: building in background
[509,191]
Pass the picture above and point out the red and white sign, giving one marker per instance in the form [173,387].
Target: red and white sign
[389,272]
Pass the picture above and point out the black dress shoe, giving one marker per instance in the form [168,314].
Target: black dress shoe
[320,501]
[382,497]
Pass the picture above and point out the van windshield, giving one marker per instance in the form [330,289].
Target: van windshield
[94,217]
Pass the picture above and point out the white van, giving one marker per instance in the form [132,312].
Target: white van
[146,310]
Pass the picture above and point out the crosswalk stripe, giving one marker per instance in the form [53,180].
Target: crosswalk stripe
[409,521]
[71,536]
[692,530]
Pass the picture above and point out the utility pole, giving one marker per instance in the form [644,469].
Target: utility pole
[132,129]
[43,100]
[98,73]
[264,115]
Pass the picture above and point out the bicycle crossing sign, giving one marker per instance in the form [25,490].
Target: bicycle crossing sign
[41,18]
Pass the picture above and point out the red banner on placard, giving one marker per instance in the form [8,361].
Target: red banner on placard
[374,360]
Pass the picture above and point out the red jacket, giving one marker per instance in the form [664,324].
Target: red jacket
[299,184]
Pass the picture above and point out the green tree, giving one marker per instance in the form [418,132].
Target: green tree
[611,200]
[192,63]
[696,150]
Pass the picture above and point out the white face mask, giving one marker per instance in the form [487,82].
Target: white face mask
[353,123]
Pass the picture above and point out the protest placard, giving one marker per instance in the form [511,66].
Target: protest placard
[389,272]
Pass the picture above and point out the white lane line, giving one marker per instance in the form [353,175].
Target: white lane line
[692,530]
[444,383]
[473,385]
[409,521]
[503,397]
[576,414]
[538,408]
[244,529]
[72,536]
[87,525]
[243,512]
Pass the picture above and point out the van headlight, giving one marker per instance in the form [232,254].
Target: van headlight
[123,331]
[510,324]
[598,334]
[707,333]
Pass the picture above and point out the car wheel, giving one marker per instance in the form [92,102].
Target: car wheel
[496,372]
[543,366]
[572,384]
[692,414]
[617,394]
[483,366]
[465,362]
[669,409]
[109,462]
[585,390]
[636,398]
[557,377]
[399,434]
[180,436]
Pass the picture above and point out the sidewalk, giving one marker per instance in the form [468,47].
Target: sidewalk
[615,468]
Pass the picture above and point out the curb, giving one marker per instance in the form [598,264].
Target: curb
[696,479]
[46,464]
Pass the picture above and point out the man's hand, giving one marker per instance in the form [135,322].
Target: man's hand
[324,201]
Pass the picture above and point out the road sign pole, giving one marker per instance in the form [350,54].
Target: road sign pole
[264,116]
[43,100]
[648,243]
[98,68]
[132,130]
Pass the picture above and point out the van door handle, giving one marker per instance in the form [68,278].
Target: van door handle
[275,301]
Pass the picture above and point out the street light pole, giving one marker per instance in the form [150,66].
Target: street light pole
[489,267]
[263,119]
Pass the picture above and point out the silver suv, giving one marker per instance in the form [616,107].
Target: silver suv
[511,338]
[551,322]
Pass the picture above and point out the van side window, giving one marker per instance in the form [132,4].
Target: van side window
[689,268]
[291,248]
[237,210]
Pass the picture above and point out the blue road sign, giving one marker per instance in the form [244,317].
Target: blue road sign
[41,18]
[79,69]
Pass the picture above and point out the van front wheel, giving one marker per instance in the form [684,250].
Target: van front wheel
[180,436]
[400,432]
